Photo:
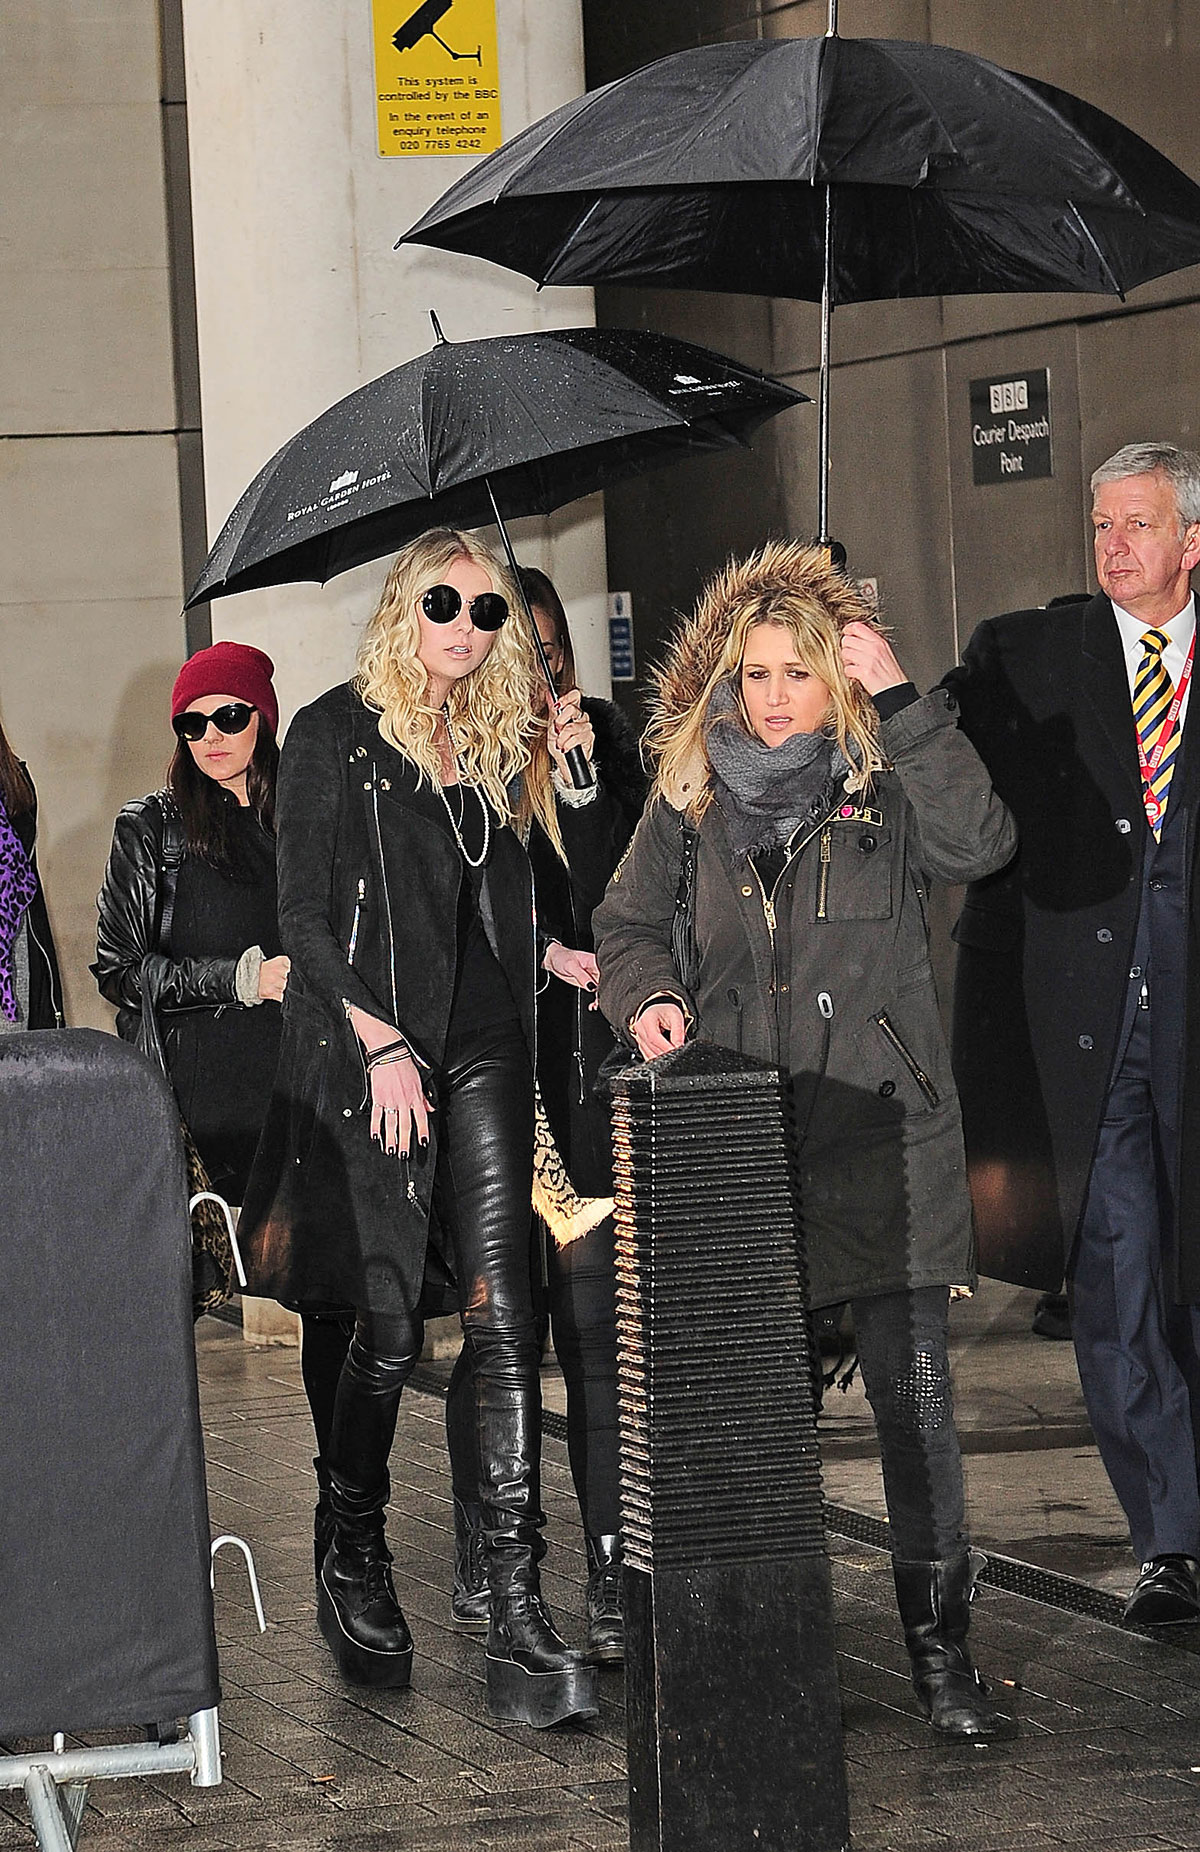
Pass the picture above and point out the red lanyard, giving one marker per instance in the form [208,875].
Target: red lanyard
[1150,765]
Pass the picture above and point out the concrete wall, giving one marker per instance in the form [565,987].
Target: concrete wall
[945,551]
[301,297]
[94,415]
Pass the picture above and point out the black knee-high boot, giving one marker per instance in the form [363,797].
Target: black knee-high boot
[934,1601]
[357,1609]
[533,1676]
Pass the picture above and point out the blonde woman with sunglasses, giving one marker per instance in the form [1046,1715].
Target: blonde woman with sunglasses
[404,1112]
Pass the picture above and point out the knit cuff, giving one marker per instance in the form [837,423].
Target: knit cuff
[566,793]
[889,701]
[246,976]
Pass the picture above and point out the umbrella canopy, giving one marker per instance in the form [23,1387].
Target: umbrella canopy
[708,170]
[473,430]
[841,170]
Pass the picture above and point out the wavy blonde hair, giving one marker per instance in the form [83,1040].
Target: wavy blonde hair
[783,583]
[493,710]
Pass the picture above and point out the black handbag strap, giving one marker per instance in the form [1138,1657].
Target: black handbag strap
[683,926]
[170,855]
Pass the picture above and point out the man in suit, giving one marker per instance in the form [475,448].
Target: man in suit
[1077,1006]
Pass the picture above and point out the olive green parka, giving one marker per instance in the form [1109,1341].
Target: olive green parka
[829,977]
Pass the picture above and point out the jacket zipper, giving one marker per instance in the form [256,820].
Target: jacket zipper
[55,999]
[823,877]
[353,945]
[768,900]
[915,1069]
[387,901]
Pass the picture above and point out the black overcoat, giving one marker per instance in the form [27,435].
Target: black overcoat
[369,879]
[1045,948]
[833,983]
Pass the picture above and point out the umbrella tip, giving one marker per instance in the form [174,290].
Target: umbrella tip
[437,328]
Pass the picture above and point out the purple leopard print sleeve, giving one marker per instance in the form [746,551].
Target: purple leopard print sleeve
[18,885]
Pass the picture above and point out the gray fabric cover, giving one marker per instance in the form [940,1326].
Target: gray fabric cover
[106,1614]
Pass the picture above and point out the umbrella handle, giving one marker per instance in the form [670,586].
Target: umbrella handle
[578,764]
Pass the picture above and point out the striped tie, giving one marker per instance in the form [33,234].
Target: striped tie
[1153,692]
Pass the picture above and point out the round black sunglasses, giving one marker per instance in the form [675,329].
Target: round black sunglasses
[442,604]
[234,717]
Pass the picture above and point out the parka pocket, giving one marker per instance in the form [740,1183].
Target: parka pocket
[854,871]
[900,1048]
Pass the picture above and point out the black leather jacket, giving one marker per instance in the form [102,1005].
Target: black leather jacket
[130,905]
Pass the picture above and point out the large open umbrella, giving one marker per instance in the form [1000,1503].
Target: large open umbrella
[838,170]
[479,431]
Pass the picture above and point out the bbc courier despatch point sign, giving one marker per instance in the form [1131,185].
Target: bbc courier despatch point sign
[437,77]
[1010,427]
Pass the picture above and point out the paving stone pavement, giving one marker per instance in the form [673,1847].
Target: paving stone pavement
[1109,1758]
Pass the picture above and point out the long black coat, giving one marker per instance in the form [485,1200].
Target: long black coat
[1044,949]
[573,1039]
[839,993]
[369,879]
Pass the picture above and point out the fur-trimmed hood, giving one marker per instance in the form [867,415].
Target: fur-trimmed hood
[687,668]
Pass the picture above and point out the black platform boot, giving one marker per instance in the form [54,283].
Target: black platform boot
[934,1600]
[605,1607]
[469,1602]
[322,1518]
[533,1676]
[357,1610]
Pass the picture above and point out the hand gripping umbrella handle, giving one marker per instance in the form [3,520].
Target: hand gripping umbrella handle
[578,764]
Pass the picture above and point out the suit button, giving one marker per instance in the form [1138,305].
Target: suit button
[1123,826]
[867,844]
[1085,1041]
[1104,936]
[886,1089]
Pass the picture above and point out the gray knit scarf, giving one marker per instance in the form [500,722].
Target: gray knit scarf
[767,793]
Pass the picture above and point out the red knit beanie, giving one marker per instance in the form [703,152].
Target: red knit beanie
[228,668]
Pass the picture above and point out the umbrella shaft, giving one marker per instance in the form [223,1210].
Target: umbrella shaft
[823,390]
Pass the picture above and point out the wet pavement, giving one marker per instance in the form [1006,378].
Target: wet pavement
[1108,1759]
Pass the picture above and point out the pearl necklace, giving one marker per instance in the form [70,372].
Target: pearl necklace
[456,823]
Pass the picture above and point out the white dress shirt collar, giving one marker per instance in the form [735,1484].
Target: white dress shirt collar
[1179,632]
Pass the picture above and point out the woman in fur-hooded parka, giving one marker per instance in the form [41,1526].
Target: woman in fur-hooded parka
[826,795]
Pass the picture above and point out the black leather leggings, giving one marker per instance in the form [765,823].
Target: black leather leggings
[580,1291]
[906,1374]
[482,1189]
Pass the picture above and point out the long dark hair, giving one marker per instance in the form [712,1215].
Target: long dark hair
[542,595]
[15,787]
[206,809]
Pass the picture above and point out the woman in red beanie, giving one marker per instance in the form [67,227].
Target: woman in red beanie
[188,908]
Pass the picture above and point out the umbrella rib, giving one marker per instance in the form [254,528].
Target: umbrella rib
[1086,229]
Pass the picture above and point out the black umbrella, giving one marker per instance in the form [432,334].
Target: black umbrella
[480,431]
[839,170]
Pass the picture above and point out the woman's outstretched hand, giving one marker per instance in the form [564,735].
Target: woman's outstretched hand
[869,659]
[572,966]
[660,1026]
[570,727]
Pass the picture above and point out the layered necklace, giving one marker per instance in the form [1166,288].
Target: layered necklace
[456,823]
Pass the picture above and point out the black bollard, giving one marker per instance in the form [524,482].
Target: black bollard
[734,1725]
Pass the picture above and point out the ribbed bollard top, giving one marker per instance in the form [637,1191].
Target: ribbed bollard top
[719,1458]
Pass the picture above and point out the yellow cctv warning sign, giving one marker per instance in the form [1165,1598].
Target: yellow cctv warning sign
[437,76]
